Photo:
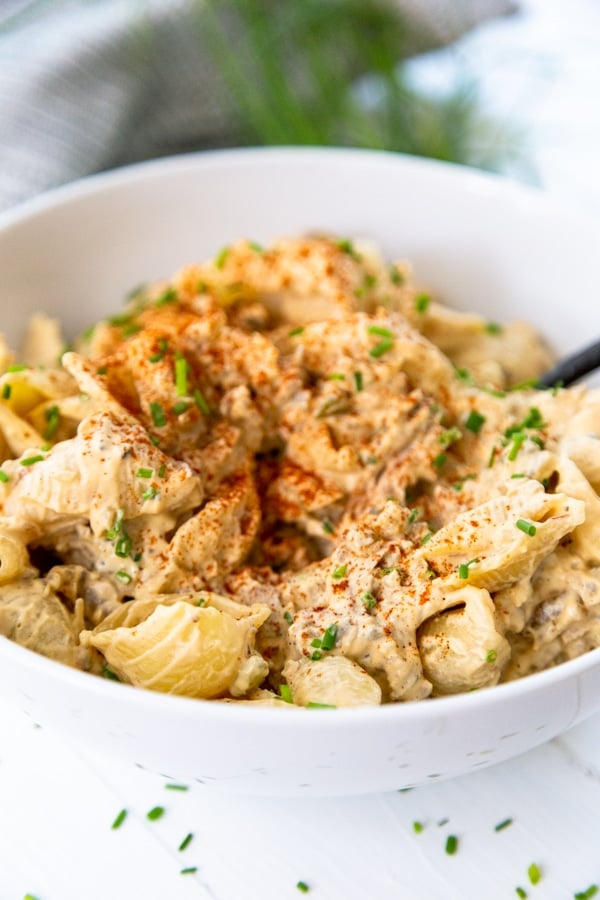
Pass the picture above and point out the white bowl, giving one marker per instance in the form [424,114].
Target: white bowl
[479,241]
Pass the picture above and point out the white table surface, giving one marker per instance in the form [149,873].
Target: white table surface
[57,802]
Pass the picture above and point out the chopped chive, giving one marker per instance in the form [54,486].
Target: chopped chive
[168,296]
[144,473]
[201,403]
[296,331]
[328,527]
[119,820]
[158,415]
[157,812]
[380,332]
[337,376]
[368,600]
[493,328]
[181,376]
[285,692]
[288,617]
[136,556]
[335,406]
[172,786]
[303,887]
[316,655]
[131,329]
[451,844]
[417,827]
[525,385]
[339,573]
[180,408]
[186,841]
[503,824]
[348,247]
[254,245]
[107,672]
[162,349]
[189,870]
[526,527]
[162,471]
[491,656]
[102,370]
[316,642]
[427,537]
[450,436]
[422,303]
[463,375]
[358,381]
[154,439]
[381,348]
[117,525]
[6,391]
[329,639]
[517,442]
[201,601]
[591,891]
[123,546]
[474,421]
[520,893]
[463,569]
[312,705]
[4,477]
[17,367]
[31,460]
[221,257]
[123,576]
[534,873]
[439,461]
[396,277]
[414,515]
[518,475]
[150,493]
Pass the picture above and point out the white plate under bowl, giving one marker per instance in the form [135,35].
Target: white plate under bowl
[482,243]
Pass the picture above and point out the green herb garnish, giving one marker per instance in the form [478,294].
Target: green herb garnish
[474,421]
[503,824]
[526,527]
[451,844]
[285,692]
[303,887]
[358,381]
[181,376]
[221,257]
[157,812]
[158,414]
[168,296]
[201,403]
[144,473]
[339,573]
[119,820]
[4,477]
[296,331]
[31,460]
[490,657]
[186,841]
[463,569]
[368,600]
[173,786]
[534,873]
[381,348]
[422,302]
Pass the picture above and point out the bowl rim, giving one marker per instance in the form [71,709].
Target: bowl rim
[150,169]
[96,184]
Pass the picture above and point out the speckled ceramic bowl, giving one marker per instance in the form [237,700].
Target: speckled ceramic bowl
[483,244]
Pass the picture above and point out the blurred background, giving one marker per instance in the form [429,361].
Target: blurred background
[504,85]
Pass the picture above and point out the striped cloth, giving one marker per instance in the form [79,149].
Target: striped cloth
[87,85]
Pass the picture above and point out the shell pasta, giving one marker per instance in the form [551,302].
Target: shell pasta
[290,476]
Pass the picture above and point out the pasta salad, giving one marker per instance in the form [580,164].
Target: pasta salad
[289,476]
